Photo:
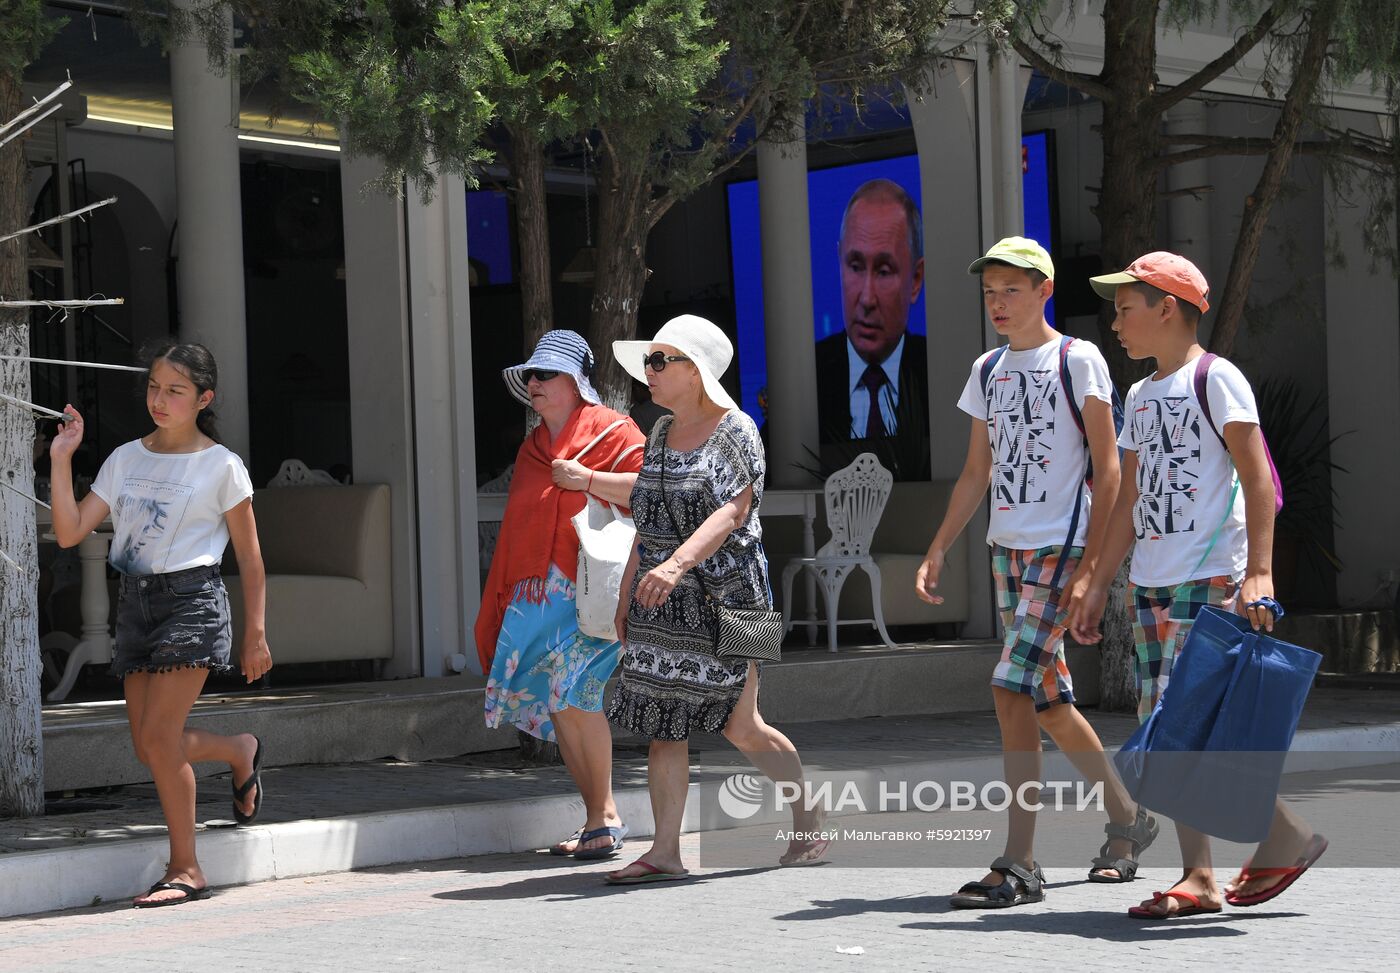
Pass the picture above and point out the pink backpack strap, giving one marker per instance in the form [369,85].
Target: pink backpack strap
[1198,384]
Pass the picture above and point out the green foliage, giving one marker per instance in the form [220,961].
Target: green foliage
[666,83]
[24,30]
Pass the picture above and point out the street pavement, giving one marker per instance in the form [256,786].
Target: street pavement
[531,911]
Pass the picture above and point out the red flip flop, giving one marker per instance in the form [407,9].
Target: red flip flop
[1195,909]
[1316,846]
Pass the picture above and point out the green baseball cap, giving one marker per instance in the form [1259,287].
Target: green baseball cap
[1018,251]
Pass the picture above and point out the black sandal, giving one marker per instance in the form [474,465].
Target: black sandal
[1140,835]
[1019,886]
[241,791]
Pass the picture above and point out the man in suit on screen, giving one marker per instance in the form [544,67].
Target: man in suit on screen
[872,379]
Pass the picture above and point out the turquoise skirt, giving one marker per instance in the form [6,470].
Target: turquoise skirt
[544,663]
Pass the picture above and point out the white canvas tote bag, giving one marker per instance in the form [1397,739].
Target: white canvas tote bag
[605,541]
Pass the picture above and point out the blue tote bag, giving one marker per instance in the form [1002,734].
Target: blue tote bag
[1211,754]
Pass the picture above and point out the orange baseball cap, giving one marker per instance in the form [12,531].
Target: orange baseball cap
[1165,271]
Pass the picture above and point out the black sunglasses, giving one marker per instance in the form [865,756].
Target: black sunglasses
[539,374]
[656,361]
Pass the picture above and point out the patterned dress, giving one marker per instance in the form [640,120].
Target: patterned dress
[672,683]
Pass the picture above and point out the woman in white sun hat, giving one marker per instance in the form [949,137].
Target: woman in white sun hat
[705,521]
[546,676]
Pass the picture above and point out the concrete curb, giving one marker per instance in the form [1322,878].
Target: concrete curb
[42,881]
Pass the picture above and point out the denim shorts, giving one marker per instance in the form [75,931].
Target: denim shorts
[173,621]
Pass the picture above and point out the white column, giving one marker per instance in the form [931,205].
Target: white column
[381,405]
[1363,392]
[450,582]
[951,127]
[1007,98]
[787,311]
[1188,217]
[209,208]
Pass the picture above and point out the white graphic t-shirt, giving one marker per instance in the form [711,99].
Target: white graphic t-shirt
[1038,453]
[168,508]
[1184,476]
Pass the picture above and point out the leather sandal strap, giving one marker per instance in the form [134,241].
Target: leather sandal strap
[1030,878]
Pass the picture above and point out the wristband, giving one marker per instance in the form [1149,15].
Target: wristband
[589,487]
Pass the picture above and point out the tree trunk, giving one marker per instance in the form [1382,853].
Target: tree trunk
[1118,685]
[625,217]
[532,222]
[1127,208]
[1127,214]
[1306,72]
[21,738]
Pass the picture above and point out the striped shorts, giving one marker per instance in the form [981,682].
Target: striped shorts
[1033,649]
[1161,619]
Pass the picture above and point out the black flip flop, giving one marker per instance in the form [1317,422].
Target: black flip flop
[560,852]
[240,792]
[617,834]
[191,894]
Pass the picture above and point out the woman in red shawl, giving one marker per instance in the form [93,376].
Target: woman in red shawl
[545,676]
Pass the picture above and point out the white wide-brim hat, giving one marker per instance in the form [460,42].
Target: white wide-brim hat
[707,347]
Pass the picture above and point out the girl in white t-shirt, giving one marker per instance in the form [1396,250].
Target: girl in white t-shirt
[176,497]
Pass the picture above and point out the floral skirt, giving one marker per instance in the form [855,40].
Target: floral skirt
[544,663]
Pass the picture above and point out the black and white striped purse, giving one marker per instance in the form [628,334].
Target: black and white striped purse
[740,633]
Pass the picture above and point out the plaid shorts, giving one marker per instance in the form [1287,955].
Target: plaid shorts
[1033,649]
[1162,618]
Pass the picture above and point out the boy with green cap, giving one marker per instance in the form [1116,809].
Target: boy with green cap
[1041,408]
[1191,447]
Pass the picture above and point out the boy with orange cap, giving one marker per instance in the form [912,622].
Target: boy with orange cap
[1197,508]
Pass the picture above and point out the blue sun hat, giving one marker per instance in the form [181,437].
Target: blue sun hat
[557,351]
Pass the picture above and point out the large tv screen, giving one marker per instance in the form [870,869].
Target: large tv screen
[867,299]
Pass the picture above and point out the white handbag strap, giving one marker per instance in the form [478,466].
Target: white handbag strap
[599,438]
[613,468]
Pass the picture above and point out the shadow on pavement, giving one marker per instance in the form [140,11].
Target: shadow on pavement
[1113,927]
[583,885]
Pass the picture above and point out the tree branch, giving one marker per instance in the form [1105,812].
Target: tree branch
[1195,192]
[1215,146]
[1080,82]
[1169,97]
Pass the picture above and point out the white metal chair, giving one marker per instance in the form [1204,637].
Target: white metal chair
[855,499]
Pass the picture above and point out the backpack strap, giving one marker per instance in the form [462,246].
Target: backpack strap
[1067,383]
[1198,385]
[1067,386]
[988,367]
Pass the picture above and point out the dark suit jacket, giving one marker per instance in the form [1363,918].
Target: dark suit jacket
[907,452]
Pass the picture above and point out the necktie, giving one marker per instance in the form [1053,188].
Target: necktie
[873,380]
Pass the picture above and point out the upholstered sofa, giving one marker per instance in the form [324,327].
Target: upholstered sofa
[326,552]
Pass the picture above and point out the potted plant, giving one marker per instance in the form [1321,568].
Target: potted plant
[1297,432]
